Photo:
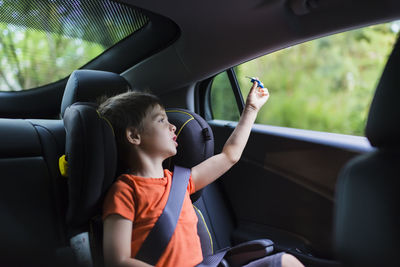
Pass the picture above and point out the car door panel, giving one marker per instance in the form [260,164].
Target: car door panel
[283,187]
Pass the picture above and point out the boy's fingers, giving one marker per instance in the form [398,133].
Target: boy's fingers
[254,86]
[263,91]
[261,84]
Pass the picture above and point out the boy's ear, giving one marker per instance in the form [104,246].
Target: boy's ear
[132,136]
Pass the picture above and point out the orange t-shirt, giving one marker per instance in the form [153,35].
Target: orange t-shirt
[142,200]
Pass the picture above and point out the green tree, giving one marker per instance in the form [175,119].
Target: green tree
[43,41]
[31,58]
[223,102]
[326,84]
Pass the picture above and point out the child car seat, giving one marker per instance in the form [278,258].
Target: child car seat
[91,155]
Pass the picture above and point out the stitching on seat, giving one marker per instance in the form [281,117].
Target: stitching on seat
[177,135]
[180,111]
[205,224]
[108,122]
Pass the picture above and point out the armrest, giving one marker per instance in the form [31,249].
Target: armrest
[249,251]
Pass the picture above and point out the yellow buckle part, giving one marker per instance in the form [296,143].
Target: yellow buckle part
[63,166]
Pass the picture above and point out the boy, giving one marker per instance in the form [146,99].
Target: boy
[133,204]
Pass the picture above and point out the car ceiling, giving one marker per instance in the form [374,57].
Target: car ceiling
[216,35]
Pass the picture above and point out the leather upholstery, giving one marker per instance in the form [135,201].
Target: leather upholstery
[32,199]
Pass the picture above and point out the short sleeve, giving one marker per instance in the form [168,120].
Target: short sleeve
[119,200]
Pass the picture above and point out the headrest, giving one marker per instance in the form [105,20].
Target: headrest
[195,140]
[92,161]
[88,85]
[383,125]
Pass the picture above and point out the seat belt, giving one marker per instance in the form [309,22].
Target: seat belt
[157,240]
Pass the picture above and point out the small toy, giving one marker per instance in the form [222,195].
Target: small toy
[255,80]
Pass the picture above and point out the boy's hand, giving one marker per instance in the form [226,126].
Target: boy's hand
[212,168]
[257,97]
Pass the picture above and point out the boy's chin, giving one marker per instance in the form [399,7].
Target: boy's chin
[172,153]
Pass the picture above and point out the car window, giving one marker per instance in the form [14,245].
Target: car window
[44,41]
[325,84]
[223,102]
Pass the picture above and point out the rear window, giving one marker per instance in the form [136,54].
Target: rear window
[42,41]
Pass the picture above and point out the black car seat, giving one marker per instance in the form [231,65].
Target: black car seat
[367,220]
[90,153]
[32,194]
[91,156]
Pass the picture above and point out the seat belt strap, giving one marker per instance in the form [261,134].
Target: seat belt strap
[214,260]
[157,240]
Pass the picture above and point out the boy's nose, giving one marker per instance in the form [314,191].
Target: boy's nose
[172,127]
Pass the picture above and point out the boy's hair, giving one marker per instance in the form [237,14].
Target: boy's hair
[127,110]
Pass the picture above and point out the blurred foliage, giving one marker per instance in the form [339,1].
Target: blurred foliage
[223,102]
[31,58]
[43,41]
[326,84]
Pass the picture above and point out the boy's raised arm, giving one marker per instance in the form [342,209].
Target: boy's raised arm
[212,168]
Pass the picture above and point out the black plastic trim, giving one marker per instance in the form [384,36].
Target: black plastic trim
[203,95]
[203,99]
[236,89]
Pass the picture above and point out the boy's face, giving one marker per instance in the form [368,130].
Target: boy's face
[158,137]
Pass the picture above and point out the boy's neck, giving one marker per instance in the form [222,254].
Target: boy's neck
[146,173]
[147,167]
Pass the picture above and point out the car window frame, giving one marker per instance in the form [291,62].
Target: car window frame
[203,95]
